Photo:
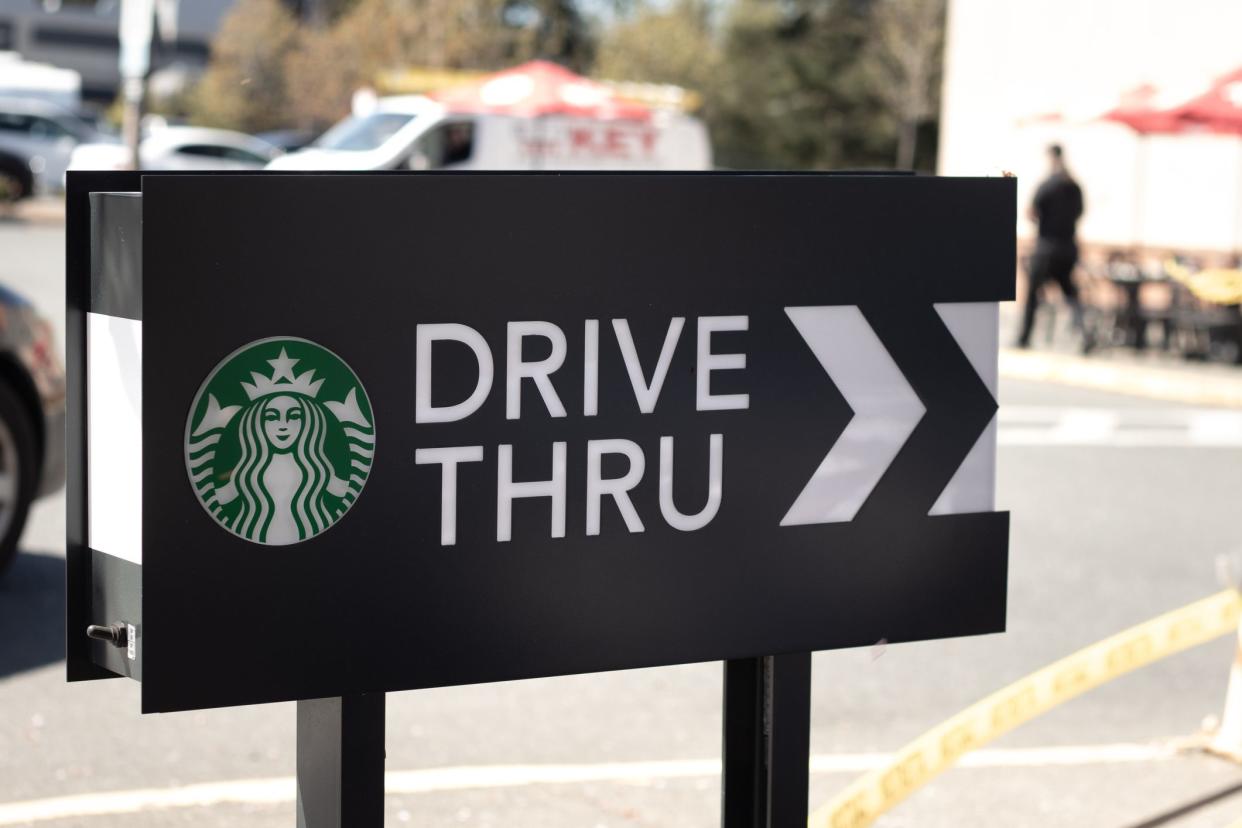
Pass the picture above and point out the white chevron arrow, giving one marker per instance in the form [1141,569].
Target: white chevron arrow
[976,328]
[886,411]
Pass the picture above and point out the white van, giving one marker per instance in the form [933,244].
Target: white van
[417,133]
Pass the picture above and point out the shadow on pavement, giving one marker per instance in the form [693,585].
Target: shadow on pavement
[1190,807]
[32,613]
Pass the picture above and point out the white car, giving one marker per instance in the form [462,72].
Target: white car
[36,141]
[181,148]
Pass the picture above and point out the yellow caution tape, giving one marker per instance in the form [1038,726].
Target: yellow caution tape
[866,799]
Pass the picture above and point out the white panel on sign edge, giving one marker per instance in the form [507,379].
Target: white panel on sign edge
[976,328]
[114,435]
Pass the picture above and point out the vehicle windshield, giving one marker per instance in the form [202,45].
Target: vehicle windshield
[78,128]
[362,133]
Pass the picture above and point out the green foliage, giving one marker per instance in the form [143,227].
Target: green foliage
[794,84]
[788,84]
[793,92]
[245,86]
[554,30]
[904,59]
[269,70]
[673,45]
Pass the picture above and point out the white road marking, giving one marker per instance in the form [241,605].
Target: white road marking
[1204,385]
[282,790]
[1121,427]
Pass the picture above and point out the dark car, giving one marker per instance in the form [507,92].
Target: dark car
[16,178]
[32,416]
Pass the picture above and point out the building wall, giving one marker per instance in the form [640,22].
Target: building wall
[1020,74]
[83,36]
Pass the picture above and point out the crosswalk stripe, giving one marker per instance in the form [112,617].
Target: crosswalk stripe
[1121,427]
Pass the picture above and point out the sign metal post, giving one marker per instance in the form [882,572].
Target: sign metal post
[767,726]
[340,762]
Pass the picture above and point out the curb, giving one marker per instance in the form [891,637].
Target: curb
[50,210]
[1193,385]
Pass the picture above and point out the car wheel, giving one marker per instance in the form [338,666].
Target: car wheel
[18,471]
[15,182]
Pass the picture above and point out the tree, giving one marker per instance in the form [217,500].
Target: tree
[269,71]
[373,35]
[554,30]
[792,92]
[245,85]
[672,45]
[905,58]
[319,12]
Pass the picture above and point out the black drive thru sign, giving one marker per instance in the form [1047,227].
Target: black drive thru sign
[416,430]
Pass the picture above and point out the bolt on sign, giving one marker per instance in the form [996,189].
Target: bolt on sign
[337,434]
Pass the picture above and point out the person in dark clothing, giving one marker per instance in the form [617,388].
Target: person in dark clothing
[1056,209]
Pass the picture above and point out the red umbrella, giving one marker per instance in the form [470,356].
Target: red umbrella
[1217,110]
[541,88]
[1141,111]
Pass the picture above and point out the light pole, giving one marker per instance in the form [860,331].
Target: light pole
[137,18]
[137,25]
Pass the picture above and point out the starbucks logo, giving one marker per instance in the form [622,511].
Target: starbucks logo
[279,441]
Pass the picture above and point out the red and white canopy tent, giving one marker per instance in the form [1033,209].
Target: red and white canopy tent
[1143,110]
[1146,110]
[1217,111]
[540,88]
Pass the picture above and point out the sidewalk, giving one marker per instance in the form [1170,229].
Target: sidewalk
[1150,373]
[41,210]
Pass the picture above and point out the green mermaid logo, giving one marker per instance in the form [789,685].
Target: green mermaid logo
[271,454]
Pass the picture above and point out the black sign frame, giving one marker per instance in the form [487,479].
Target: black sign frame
[938,577]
